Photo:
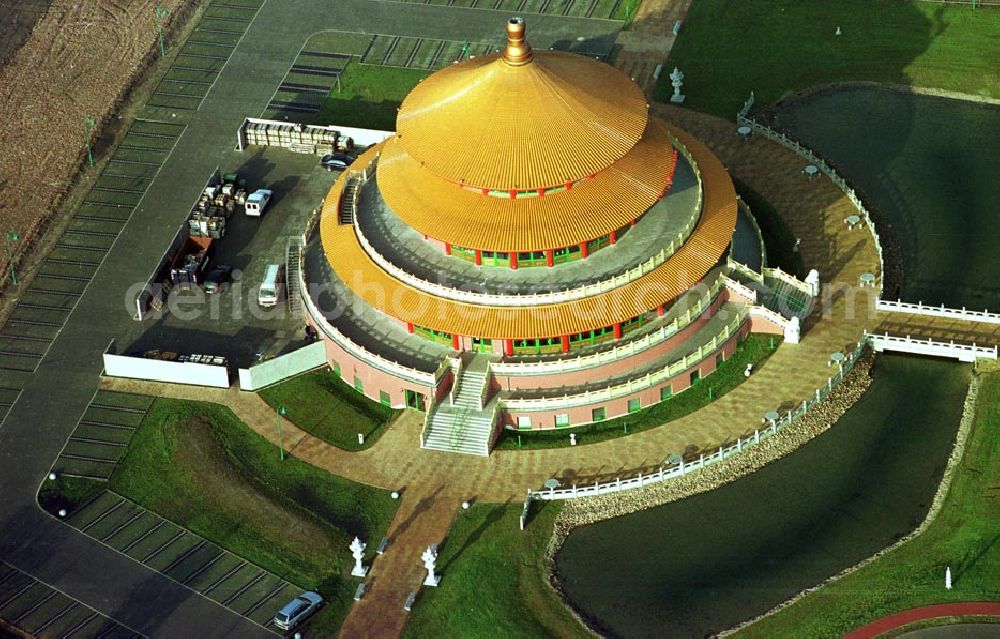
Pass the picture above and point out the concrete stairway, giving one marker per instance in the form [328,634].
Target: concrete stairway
[461,426]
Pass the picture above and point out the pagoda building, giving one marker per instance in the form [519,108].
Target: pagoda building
[530,249]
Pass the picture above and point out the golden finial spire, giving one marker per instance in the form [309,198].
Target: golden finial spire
[518,51]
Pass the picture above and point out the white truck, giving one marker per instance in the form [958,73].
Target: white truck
[257,202]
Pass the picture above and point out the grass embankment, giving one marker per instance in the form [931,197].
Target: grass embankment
[199,466]
[756,349]
[369,96]
[321,404]
[779,241]
[772,47]
[964,536]
[494,579]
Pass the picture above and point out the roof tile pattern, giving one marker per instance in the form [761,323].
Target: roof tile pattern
[556,119]
[591,209]
[675,276]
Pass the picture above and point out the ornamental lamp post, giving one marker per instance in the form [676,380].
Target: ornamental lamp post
[88,128]
[278,413]
[11,236]
[161,13]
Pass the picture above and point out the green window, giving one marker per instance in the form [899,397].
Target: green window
[431,334]
[336,368]
[597,414]
[634,405]
[523,422]
[666,392]
[695,377]
[562,421]
[719,358]
[358,384]
[383,397]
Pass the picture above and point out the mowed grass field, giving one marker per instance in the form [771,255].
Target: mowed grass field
[369,96]
[321,403]
[964,536]
[197,465]
[486,549]
[727,48]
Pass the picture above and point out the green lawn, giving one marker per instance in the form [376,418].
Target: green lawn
[196,464]
[756,349]
[320,403]
[964,536]
[779,241]
[369,96]
[493,580]
[728,48]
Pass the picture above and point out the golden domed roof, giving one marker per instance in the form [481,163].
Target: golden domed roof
[521,119]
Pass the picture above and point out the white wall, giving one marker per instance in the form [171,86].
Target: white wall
[288,365]
[166,371]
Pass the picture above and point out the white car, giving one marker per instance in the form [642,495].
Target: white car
[257,202]
[298,610]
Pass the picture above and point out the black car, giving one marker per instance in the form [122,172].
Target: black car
[217,278]
[336,161]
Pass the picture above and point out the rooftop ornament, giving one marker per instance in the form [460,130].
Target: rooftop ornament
[517,52]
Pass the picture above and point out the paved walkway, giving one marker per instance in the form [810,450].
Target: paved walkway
[900,619]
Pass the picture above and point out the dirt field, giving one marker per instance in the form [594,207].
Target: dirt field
[78,57]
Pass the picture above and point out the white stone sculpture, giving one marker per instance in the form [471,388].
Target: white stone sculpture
[793,332]
[677,79]
[812,279]
[358,550]
[429,558]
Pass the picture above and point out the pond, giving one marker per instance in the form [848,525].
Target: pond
[929,165]
[706,563]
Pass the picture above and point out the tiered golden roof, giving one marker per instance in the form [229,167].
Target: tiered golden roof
[663,284]
[521,119]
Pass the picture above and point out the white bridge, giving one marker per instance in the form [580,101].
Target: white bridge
[961,352]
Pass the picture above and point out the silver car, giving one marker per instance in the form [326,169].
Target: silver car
[298,610]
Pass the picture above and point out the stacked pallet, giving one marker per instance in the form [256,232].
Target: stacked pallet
[302,138]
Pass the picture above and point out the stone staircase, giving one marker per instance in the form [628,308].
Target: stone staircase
[349,200]
[293,266]
[460,425]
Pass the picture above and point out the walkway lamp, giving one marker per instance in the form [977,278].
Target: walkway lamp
[161,13]
[279,412]
[11,236]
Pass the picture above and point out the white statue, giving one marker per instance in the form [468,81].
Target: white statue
[358,550]
[677,79]
[947,578]
[429,558]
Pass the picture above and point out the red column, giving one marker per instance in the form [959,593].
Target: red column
[508,347]
[479,257]
[659,310]
[456,342]
[447,248]
[583,250]
[513,259]
[634,221]
[618,330]
[409,327]
[550,257]
[565,343]
[614,237]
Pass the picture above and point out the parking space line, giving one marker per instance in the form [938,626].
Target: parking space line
[54,618]
[35,607]
[107,512]
[246,587]
[224,577]
[163,546]
[80,625]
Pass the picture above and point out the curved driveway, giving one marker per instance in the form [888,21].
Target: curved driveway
[54,398]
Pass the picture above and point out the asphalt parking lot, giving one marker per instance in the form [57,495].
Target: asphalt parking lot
[231,323]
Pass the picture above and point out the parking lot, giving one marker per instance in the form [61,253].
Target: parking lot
[185,557]
[101,436]
[576,8]
[231,323]
[42,611]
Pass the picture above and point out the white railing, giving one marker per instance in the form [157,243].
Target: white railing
[920,308]
[613,354]
[484,392]
[632,385]
[756,228]
[742,113]
[772,316]
[821,164]
[789,279]
[456,376]
[722,453]
[359,351]
[961,352]
[744,270]
[739,288]
[534,299]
